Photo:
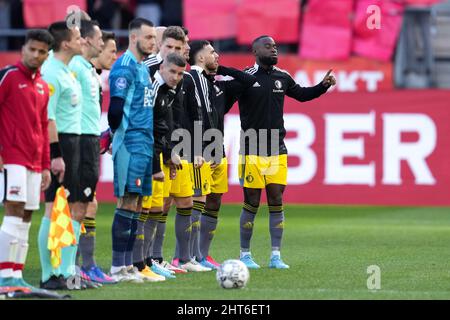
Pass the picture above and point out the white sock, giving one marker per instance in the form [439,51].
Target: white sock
[9,244]
[244,253]
[276,253]
[116,269]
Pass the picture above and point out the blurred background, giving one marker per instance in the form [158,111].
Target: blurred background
[382,136]
[413,34]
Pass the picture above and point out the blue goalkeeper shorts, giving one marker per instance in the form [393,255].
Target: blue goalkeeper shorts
[132,173]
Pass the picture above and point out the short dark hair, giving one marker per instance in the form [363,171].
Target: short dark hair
[185,30]
[175,59]
[259,38]
[60,33]
[196,46]
[87,28]
[39,35]
[174,32]
[107,35]
[137,23]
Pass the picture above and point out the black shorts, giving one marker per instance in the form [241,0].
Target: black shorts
[89,166]
[70,148]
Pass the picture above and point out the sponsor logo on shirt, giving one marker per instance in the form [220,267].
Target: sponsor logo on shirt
[14,191]
[22,85]
[121,83]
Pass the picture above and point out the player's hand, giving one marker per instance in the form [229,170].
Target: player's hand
[58,168]
[105,141]
[214,165]
[1,164]
[175,162]
[173,173]
[46,179]
[159,176]
[198,162]
[329,80]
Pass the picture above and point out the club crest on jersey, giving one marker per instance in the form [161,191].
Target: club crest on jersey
[249,178]
[121,83]
[278,84]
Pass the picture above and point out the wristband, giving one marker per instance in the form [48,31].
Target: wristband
[55,150]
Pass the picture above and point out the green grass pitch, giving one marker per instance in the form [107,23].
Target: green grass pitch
[328,248]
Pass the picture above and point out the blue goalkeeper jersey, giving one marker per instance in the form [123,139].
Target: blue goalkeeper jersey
[130,80]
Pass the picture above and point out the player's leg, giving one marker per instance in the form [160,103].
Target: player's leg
[89,174]
[88,241]
[33,185]
[71,150]
[276,223]
[276,180]
[14,195]
[208,226]
[252,181]
[209,219]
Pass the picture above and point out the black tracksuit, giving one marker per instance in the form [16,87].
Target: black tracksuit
[261,106]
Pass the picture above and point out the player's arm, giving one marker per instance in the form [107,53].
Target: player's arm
[234,88]
[194,111]
[46,164]
[120,81]
[57,165]
[3,92]
[309,93]
[160,129]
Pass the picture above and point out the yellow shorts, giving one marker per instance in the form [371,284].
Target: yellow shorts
[159,190]
[257,172]
[201,179]
[156,199]
[182,184]
[219,177]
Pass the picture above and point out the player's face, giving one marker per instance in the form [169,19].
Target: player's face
[267,51]
[171,73]
[95,43]
[34,54]
[108,55]
[146,40]
[186,48]
[211,58]
[170,45]
[75,43]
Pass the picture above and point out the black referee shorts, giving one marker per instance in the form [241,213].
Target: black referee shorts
[89,166]
[70,148]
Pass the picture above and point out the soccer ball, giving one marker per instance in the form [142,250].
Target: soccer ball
[232,274]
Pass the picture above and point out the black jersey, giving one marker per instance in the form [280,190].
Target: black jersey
[174,116]
[261,107]
[162,118]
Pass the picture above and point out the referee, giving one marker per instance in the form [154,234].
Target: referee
[263,162]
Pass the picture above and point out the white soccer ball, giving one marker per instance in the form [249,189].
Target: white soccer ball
[232,274]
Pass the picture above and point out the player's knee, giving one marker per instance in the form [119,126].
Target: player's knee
[252,196]
[14,208]
[185,202]
[27,215]
[213,201]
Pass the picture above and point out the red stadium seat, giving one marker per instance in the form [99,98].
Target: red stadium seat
[210,19]
[279,19]
[327,30]
[41,13]
[375,43]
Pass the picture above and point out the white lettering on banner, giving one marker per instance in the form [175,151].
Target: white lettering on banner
[347,81]
[337,148]
[300,146]
[414,153]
